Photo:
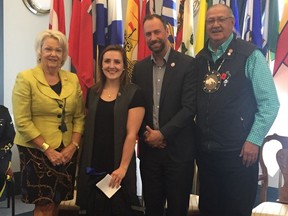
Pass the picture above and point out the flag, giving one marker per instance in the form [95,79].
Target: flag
[81,43]
[188,30]
[247,23]
[115,24]
[265,27]
[148,7]
[281,56]
[234,8]
[131,33]
[209,4]
[224,2]
[252,23]
[99,36]
[256,24]
[200,33]
[284,17]
[169,14]
[241,14]
[185,36]
[109,26]
[273,26]
[180,19]
[57,16]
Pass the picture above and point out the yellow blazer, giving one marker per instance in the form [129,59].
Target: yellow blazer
[37,108]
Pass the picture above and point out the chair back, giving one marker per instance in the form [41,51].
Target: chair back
[282,161]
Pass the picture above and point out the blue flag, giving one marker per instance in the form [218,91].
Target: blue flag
[115,33]
[256,24]
[169,14]
[109,26]
[101,23]
[234,8]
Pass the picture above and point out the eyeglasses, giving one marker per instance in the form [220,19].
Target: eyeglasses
[219,20]
[50,50]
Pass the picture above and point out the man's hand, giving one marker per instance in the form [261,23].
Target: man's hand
[154,138]
[249,153]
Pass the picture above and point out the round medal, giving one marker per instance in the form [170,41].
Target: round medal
[211,82]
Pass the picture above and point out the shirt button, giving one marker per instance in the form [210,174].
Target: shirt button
[157,107]
[59,116]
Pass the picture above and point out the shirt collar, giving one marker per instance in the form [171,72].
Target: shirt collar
[221,49]
[165,57]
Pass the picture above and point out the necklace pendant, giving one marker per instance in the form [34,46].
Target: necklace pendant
[211,82]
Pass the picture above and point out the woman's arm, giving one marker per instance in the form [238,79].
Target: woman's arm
[135,117]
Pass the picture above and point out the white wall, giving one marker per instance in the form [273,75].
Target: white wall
[20,29]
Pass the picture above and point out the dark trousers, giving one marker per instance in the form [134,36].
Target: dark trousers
[227,187]
[165,179]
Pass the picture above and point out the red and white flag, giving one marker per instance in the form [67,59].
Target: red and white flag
[57,16]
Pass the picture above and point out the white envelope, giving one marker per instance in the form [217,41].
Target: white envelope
[104,186]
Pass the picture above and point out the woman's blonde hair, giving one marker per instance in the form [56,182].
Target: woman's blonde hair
[51,34]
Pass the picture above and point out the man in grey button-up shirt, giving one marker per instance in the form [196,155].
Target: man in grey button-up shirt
[166,138]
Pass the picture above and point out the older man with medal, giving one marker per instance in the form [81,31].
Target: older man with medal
[236,105]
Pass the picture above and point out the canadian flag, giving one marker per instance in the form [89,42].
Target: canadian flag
[57,16]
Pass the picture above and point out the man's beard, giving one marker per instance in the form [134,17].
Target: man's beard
[158,49]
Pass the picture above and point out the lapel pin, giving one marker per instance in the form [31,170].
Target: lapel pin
[230,51]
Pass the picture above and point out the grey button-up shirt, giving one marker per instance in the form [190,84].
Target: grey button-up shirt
[158,75]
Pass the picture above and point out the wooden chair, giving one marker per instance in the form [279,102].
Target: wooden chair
[7,184]
[194,197]
[193,205]
[193,209]
[280,206]
[69,207]
[10,193]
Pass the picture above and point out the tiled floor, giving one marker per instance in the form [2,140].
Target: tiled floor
[20,207]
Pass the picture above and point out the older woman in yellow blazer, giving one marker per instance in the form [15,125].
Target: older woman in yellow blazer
[49,119]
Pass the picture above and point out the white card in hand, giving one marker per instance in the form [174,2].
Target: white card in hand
[104,186]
